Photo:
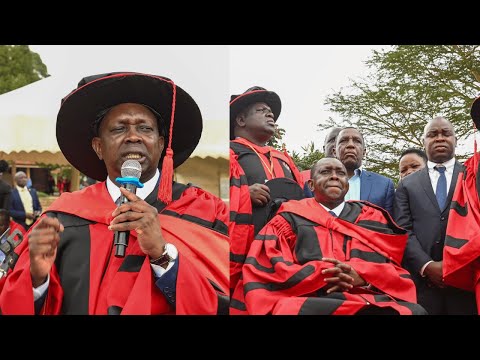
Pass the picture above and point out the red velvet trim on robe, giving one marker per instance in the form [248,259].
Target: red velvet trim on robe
[274,282]
[203,258]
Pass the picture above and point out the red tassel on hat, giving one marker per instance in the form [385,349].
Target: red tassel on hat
[165,188]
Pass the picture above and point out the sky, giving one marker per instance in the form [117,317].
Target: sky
[202,71]
[302,75]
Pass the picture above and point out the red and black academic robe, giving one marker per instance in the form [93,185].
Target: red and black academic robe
[283,271]
[13,226]
[247,168]
[16,226]
[461,263]
[305,175]
[88,279]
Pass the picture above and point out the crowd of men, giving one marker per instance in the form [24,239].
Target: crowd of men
[354,244]
[334,239]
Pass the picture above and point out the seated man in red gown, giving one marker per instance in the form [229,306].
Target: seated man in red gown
[324,256]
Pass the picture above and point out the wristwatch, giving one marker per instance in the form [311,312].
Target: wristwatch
[169,254]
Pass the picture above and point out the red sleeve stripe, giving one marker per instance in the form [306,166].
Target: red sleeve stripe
[321,306]
[223,300]
[276,260]
[414,308]
[238,182]
[454,242]
[236,304]
[294,280]
[236,258]
[377,226]
[132,263]
[263,237]
[461,210]
[382,298]
[368,256]
[217,225]
[307,247]
[241,219]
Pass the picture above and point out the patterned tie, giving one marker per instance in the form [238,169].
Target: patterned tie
[441,192]
[332,213]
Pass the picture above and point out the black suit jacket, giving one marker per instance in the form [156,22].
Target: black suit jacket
[17,211]
[5,190]
[416,210]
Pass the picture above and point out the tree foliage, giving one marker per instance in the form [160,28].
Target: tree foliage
[309,157]
[276,140]
[406,87]
[19,66]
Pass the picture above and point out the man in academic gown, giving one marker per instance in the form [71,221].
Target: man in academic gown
[176,261]
[324,256]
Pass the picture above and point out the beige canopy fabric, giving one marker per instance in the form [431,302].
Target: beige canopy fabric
[28,120]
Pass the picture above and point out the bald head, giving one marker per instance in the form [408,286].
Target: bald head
[439,140]
[329,142]
[21,179]
[329,182]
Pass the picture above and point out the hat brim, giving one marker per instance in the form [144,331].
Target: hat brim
[475,112]
[238,103]
[80,108]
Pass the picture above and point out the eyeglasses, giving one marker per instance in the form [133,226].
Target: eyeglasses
[264,110]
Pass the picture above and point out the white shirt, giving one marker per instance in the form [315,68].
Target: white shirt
[337,210]
[142,193]
[434,175]
[353,192]
[115,193]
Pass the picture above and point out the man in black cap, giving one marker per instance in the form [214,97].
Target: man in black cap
[253,117]
[176,261]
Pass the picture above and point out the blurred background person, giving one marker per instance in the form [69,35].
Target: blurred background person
[411,160]
[5,188]
[24,206]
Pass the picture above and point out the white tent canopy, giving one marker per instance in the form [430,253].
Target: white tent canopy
[28,120]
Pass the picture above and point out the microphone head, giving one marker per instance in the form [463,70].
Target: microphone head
[131,168]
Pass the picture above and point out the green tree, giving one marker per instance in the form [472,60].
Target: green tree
[19,66]
[406,87]
[309,157]
[276,140]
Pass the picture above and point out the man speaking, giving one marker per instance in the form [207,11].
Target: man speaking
[176,261]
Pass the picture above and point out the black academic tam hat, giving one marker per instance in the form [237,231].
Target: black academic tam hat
[475,112]
[253,95]
[80,109]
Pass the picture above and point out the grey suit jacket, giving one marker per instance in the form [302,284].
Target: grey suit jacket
[416,209]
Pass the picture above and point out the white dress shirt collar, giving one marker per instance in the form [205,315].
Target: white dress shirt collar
[448,165]
[142,193]
[336,210]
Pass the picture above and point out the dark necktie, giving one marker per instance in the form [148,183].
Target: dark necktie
[332,213]
[441,192]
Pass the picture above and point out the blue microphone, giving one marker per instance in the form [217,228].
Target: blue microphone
[131,171]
